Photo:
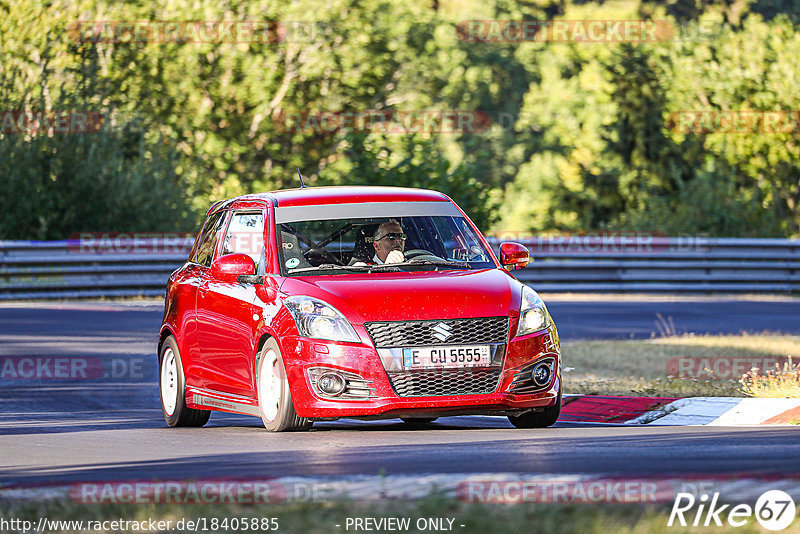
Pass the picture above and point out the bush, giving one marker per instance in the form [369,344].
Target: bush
[107,181]
[781,382]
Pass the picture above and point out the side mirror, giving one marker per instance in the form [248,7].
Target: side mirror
[514,256]
[230,267]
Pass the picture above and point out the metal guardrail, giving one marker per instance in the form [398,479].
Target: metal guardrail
[60,269]
[663,264]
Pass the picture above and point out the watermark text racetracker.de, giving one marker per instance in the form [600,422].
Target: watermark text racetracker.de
[639,243]
[179,243]
[252,242]
[43,368]
[180,492]
[721,367]
[56,122]
[391,121]
[695,502]
[585,31]
[158,243]
[708,121]
[489,491]
[195,31]
[517,31]
[53,122]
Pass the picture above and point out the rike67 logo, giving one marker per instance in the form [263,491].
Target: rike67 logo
[774,510]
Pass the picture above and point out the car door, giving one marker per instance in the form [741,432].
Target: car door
[226,313]
[189,284]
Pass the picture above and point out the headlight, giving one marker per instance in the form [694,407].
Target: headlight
[317,319]
[533,314]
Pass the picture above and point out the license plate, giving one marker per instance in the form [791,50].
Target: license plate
[447,356]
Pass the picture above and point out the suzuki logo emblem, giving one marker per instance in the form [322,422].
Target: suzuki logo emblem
[441,332]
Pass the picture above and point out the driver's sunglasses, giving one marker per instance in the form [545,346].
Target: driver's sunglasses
[393,237]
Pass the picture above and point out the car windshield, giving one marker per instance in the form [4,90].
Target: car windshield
[337,246]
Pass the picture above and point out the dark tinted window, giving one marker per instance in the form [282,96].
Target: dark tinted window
[208,241]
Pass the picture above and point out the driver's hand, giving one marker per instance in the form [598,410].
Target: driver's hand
[395,256]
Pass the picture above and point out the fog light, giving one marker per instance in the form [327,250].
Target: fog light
[541,374]
[331,384]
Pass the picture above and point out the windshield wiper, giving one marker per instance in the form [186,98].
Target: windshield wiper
[412,262]
[381,266]
[445,263]
[334,267]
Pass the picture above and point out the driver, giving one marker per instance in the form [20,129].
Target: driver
[389,242]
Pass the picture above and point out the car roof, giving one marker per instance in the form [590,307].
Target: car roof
[309,196]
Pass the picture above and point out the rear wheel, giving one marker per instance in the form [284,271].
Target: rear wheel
[172,386]
[543,419]
[274,397]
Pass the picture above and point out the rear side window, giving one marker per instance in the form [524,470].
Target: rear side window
[208,241]
[245,235]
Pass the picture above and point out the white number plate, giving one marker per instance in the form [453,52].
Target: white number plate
[447,356]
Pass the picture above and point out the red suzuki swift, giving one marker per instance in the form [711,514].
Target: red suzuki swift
[363,302]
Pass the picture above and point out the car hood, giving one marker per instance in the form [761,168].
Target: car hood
[413,295]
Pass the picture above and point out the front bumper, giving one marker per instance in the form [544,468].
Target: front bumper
[302,354]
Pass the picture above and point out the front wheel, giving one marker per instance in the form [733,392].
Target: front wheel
[172,386]
[274,397]
[543,419]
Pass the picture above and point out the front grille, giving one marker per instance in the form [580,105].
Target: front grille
[436,383]
[417,333]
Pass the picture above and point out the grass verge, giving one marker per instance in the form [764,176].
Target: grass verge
[780,382]
[643,367]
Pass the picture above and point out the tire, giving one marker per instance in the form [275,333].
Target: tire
[172,389]
[418,420]
[274,397]
[543,419]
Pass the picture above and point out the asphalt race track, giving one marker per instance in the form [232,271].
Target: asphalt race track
[110,427]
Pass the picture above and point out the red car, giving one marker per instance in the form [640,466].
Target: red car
[362,302]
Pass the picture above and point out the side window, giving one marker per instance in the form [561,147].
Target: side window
[245,235]
[208,241]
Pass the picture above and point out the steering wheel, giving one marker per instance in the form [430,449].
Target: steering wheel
[408,254]
[420,255]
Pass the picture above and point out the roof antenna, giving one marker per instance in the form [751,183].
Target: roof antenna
[302,185]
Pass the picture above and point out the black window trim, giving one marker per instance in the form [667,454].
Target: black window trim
[232,213]
[225,213]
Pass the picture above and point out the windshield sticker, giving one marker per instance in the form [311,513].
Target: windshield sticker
[291,263]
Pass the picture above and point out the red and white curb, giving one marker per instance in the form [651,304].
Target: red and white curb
[718,411]
[723,411]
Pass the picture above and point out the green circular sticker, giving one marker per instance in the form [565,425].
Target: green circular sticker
[291,263]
